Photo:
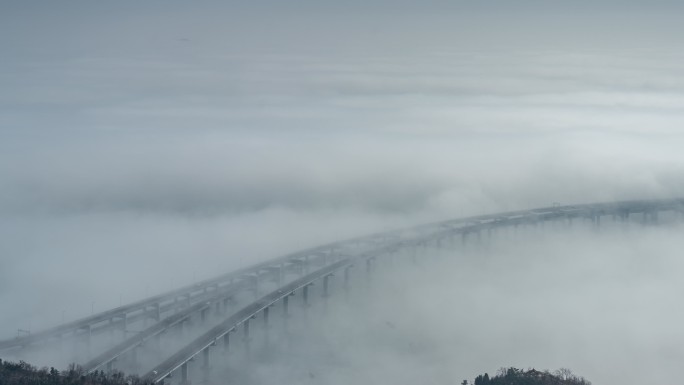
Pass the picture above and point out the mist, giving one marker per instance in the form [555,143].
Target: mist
[145,147]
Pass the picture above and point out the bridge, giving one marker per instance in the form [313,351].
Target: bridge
[161,336]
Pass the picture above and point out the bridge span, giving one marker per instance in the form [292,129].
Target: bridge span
[219,306]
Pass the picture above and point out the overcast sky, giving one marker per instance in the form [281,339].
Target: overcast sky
[163,141]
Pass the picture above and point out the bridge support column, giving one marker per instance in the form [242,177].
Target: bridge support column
[124,324]
[247,339]
[279,275]
[110,326]
[227,302]
[305,295]
[255,285]
[134,358]
[203,315]
[87,336]
[286,305]
[181,328]
[307,264]
[346,277]
[226,343]
[326,284]
[184,374]
[266,311]
[205,358]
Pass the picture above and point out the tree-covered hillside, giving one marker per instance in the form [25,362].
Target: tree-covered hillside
[513,376]
[22,373]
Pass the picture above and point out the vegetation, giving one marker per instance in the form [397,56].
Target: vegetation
[22,373]
[513,376]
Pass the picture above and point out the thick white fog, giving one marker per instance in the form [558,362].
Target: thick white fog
[146,147]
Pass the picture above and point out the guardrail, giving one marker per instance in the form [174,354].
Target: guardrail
[242,316]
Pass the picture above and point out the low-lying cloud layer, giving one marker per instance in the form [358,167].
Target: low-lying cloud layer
[143,149]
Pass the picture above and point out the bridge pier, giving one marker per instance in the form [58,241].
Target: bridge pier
[205,358]
[133,358]
[184,374]
[226,343]
[369,270]
[227,301]
[181,328]
[326,284]
[87,334]
[255,285]
[346,277]
[247,339]
[124,324]
[305,295]
[286,305]
[266,311]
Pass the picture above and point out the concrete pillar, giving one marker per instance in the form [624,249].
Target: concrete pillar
[279,276]
[110,366]
[184,373]
[124,324]
[156,341]
[266,311]
[87,336]
[156,315]
[181,328]
[110,327]
[255,285]
[226,343]
[227,302]
[305,295]
[286,303]
[307,265]
[134,357]
[246,330]
[346,277]
[205,358]
[203,315]
[246,338]
[326,283]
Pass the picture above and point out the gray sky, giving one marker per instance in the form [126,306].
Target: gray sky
[135,135]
